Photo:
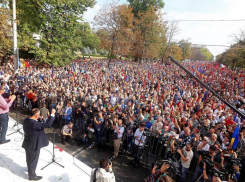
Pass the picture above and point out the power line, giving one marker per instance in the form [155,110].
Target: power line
[211,20]
[211,45]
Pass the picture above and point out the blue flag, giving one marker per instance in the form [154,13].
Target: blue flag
[111,75]
[127,77]
[235,137]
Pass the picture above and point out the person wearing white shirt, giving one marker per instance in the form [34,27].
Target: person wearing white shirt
[104,173]
[186,155]
[113,99]
[139,139]
[118,134]
[204,144]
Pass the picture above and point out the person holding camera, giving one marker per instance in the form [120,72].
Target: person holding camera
[98,125]
[139,139]
[118,134]
[186,155]
[104,173]
[156,174]
[5,104]
[209,156]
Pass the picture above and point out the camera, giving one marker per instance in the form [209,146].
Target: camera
[164,138]
[217,173]
[179,144]
[173,171]
[203,153]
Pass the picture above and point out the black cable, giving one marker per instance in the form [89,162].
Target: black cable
[77,165]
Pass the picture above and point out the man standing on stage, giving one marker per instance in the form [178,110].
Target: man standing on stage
[4,118]
[35,139]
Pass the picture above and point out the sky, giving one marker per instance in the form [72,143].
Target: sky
[207,33]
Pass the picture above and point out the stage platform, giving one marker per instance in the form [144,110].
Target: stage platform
[13,162]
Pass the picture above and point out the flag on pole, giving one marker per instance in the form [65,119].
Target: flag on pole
[52,71]
[127,77]
[111,75]
[235,137]
[74,71]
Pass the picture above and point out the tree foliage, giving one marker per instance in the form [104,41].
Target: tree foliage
[145,5]
[207,54]
[185,46]
[5,31]
[114,27]
[235,55]
[149,35]
[56,21]
[122,33]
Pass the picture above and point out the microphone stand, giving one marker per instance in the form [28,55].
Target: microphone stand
[17,121]
[53,157]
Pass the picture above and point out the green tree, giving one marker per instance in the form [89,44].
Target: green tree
[207,54]
[5,31]
[56,21]
[145,5]
[87,37]
[185,45]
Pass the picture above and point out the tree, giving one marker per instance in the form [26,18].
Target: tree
[175,51]
[234,57]
[149,35]
[172,30]
[5,31]
[87,37]
[196,54]
[207,54]
[185,45]
[145,5]
[114,26]
[56,21]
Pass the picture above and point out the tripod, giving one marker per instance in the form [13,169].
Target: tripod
[53,158]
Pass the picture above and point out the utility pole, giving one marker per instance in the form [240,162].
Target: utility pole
[16,54]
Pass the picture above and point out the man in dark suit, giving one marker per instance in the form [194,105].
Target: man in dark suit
[35,139]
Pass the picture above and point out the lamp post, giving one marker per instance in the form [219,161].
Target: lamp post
[16,55]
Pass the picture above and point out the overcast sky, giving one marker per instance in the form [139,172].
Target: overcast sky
[208,33]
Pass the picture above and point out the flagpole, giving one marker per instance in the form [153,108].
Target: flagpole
[207,87]
[15,47]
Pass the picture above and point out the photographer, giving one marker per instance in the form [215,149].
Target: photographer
[118,134]
[186,155]
[98,125]
[139,139]
[155,174]
[204,154]
[104,173]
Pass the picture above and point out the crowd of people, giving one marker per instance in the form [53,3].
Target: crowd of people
[128,104]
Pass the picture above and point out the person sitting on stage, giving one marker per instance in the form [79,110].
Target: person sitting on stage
[66,132]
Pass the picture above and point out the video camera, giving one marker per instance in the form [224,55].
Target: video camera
[164,138]
[179,144]
[173,171]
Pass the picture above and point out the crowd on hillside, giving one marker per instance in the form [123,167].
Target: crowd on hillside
[120,100]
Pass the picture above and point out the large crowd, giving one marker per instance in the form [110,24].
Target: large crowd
[130,104]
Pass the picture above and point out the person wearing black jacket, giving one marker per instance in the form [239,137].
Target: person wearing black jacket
[34,140]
